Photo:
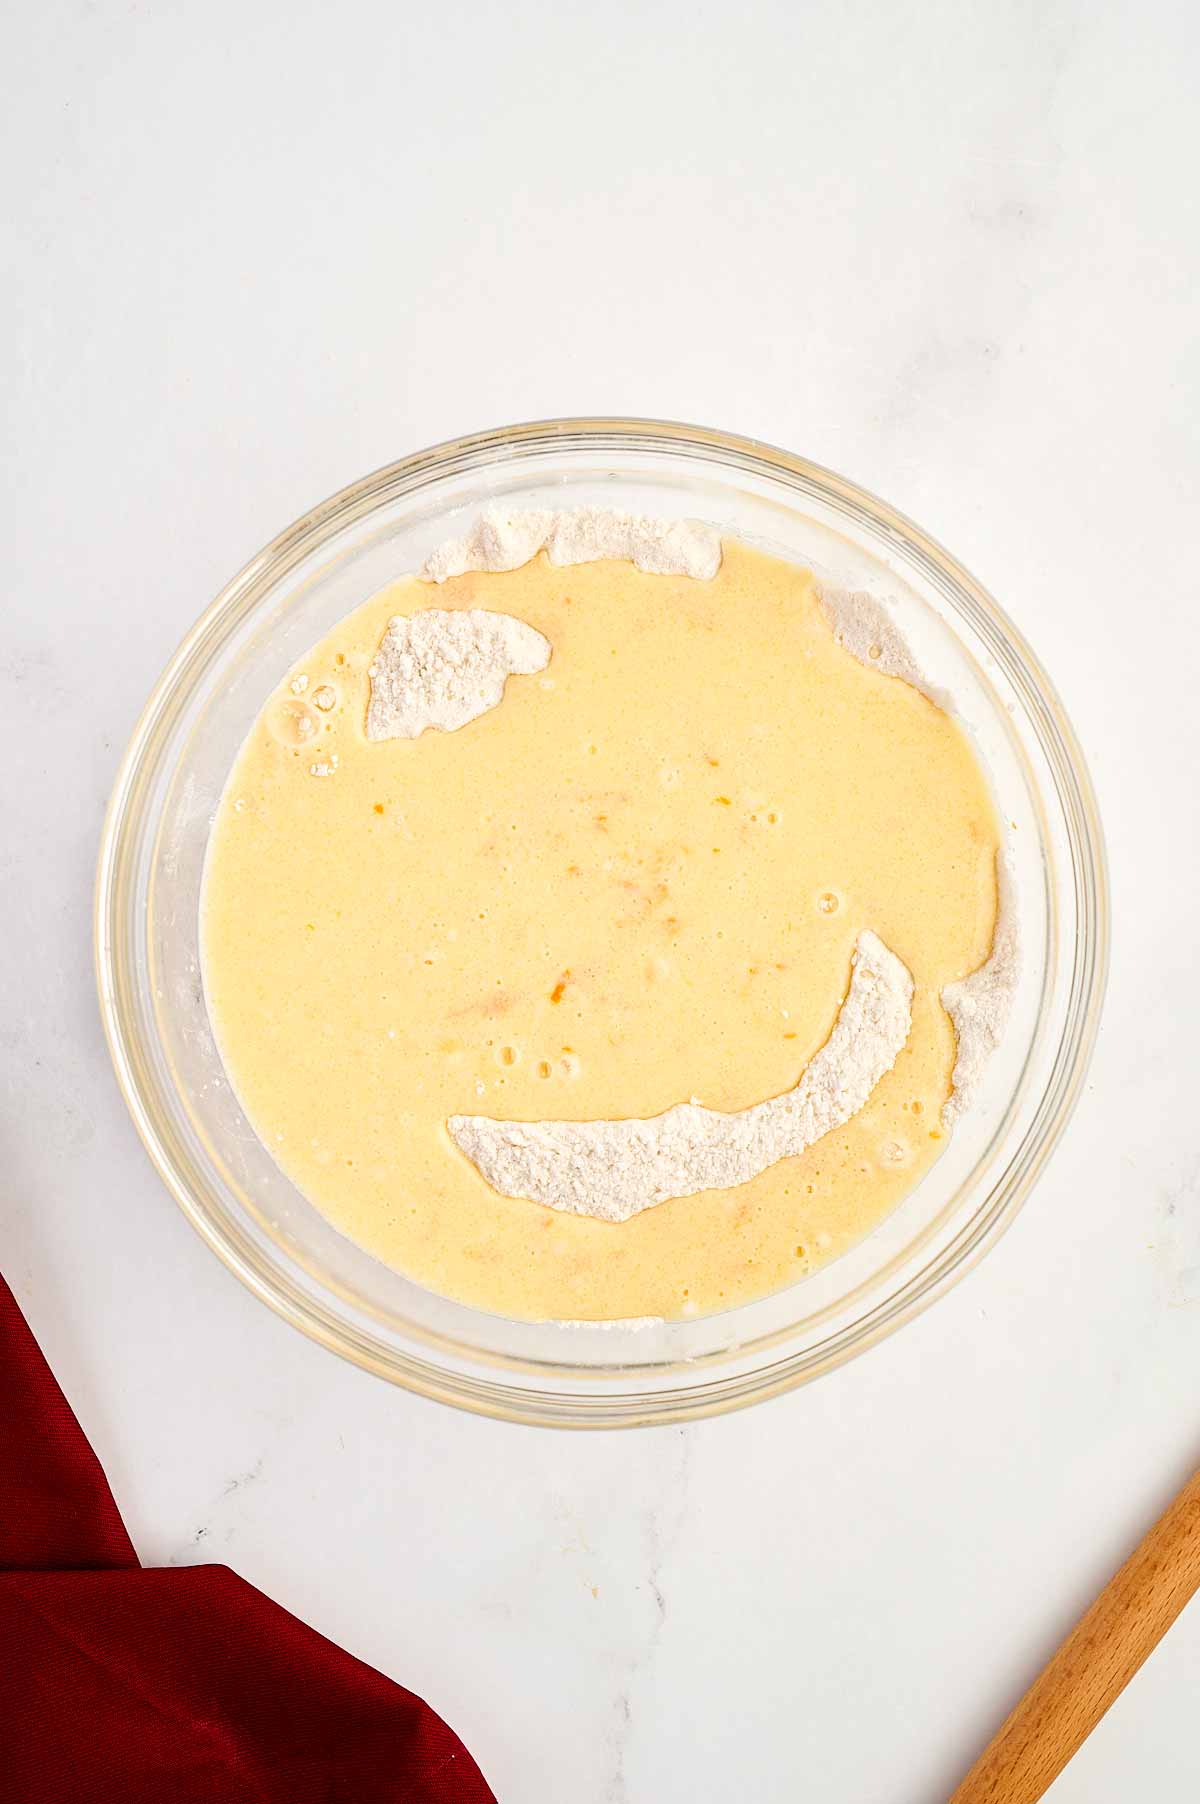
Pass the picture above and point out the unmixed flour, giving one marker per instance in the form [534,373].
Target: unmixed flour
[504,539]
[440,668]
[444,668]
[614,1169]
[978,1005]
[867,631]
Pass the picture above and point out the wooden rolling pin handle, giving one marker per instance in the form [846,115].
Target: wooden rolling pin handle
[1094,1663]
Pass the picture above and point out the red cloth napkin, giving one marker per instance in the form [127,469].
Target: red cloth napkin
[126,1685]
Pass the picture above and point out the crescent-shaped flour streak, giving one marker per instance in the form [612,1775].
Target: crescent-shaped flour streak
[615,1169]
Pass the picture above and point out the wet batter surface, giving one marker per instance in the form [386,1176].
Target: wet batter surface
[637,881]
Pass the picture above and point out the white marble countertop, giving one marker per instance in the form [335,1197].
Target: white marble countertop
[953,251]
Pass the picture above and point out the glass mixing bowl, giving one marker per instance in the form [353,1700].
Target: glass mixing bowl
[162,1043]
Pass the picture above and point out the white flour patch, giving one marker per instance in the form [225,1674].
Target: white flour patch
[442,669]
[614,1169]
[980,1004]
[863,627]
[504,540]
[635,1323]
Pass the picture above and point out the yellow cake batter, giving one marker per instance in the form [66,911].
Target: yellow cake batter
[637,881]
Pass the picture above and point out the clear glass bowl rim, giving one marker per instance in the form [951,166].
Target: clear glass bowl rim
[484,1393]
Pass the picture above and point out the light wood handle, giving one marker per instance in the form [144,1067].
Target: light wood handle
[1094,1663]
